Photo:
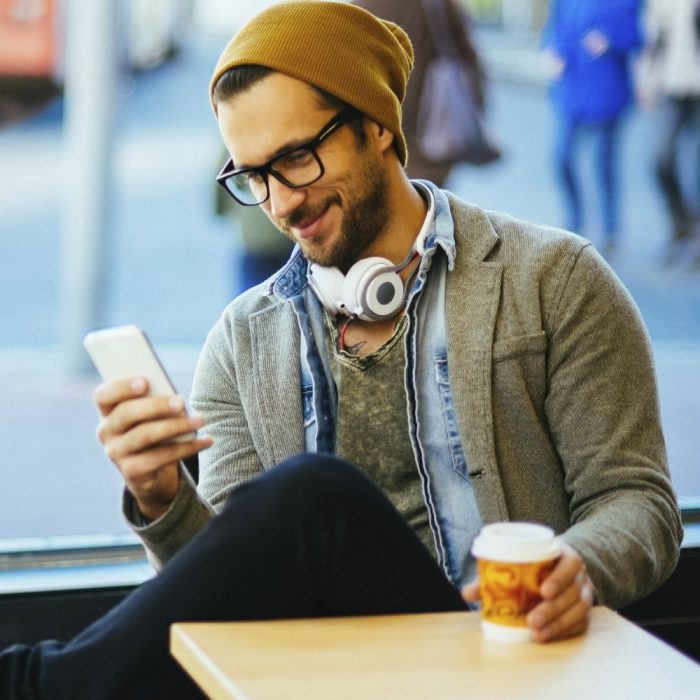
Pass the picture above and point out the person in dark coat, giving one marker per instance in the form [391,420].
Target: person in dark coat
[589,44]
[413,17]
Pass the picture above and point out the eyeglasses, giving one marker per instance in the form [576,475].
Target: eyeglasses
[298,167]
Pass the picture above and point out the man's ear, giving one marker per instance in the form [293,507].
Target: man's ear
[383,137]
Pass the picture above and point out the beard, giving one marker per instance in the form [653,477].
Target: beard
[365,216]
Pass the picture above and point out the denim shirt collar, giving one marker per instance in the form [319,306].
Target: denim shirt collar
[291,279]
[442,234]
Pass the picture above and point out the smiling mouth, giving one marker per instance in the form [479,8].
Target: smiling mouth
[311,225]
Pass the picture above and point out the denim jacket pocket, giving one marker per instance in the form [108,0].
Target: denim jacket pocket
[459,462]
[508,348]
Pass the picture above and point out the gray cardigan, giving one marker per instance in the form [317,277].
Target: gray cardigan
[554,391]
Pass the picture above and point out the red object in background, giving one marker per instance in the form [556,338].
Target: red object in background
[28,38]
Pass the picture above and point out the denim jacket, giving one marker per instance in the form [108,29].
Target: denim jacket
[440,461]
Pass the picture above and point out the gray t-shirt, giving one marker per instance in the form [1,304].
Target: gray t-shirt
[372,425]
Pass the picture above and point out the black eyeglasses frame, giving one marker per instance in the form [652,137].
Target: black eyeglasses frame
[266,169]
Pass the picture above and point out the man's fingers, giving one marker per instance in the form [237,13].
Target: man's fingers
[545,612]
[131,413]
[150,434]
[140,470]
[573,621]
[107,395]
[568,567]
[568,598]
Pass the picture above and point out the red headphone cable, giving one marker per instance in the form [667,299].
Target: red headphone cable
[343,329]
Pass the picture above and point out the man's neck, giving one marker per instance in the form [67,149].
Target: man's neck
[407,212]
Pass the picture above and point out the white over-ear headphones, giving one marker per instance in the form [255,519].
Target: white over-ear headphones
[372,290]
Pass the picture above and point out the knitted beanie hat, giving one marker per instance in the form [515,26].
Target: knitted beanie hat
[338,47]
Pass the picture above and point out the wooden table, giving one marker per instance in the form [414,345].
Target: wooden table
[433,656]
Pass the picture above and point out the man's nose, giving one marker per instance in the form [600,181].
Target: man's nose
[284,199]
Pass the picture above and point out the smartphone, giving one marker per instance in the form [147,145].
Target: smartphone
[126,351]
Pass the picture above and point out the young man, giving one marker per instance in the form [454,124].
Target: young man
[474,366]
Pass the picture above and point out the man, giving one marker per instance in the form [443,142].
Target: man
[476,368]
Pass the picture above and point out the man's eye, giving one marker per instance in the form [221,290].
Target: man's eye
[296,159]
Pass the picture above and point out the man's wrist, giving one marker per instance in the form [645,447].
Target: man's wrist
[150,511]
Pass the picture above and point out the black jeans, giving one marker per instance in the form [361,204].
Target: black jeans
[312,537]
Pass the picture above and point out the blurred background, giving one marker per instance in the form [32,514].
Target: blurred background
[108,153]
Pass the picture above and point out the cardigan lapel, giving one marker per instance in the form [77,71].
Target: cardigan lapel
[472,298]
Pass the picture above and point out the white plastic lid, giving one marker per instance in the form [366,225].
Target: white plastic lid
[516,542]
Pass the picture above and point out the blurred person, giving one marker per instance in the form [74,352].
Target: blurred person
[415,17]
[671,72]
[262,251]
[588,45]
[418,368]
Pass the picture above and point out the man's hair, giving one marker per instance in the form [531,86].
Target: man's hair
[240,78]
[237,80]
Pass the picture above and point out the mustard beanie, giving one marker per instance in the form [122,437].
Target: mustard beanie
[338,47]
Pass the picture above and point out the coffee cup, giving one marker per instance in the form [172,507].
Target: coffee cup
[513,559]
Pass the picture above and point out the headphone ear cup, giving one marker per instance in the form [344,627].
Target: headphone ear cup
[327,285]
[373,289]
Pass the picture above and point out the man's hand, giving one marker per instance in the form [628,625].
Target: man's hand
[136,431]
[567,599]
[596,43]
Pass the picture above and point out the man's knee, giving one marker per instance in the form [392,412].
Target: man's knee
[318,477]
[305,481]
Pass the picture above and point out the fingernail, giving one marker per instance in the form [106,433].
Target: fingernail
[138,385]
[177,404]
[197,421]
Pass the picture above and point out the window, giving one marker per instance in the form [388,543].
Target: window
[164,263]
[167,265]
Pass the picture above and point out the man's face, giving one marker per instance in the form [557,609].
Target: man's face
[335,218]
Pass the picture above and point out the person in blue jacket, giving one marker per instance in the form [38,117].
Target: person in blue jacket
[589,44]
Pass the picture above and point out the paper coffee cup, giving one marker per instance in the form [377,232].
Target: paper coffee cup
[513,559]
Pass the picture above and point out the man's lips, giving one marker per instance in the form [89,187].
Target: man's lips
[311,226]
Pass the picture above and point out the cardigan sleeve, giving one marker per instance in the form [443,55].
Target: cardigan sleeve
[232,459]
[625,521]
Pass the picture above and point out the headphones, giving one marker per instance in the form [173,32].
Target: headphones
[372,290]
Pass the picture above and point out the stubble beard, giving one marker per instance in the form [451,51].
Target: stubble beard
[365,216]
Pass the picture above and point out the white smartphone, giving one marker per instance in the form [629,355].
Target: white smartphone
[126,351]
